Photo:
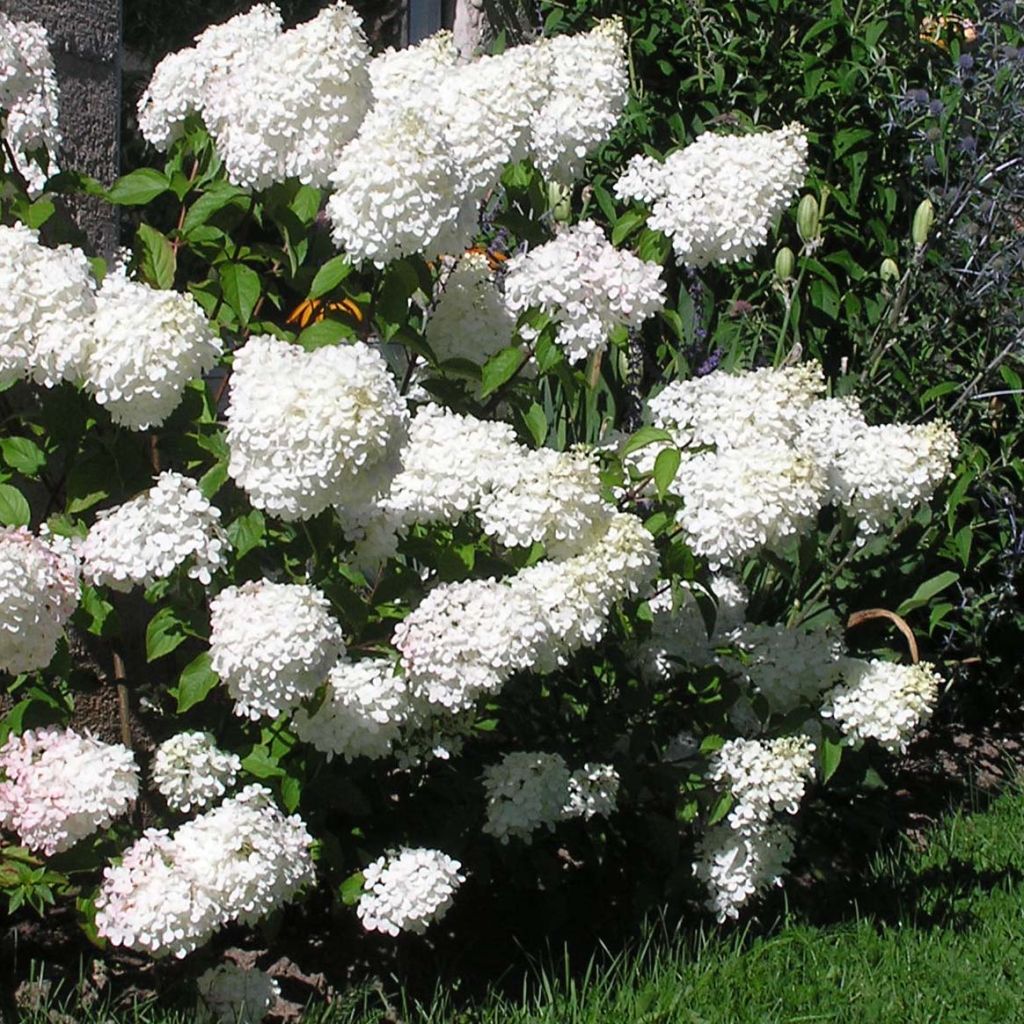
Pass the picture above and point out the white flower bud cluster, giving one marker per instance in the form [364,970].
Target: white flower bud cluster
[408,890]
[717,198]
[882,701]
[272,644]
[238,862]
[736,866]
[150,536]
[30,97]
[787,667]
[467,639]
[307,430]
[470,319]
[230,994]
[529,790]
[679,634]
[146,345]
[289,109]
[588,286]
[38,593]
[362,714]
[190,772]
[46,302]
[59,787]
[765,777]
[184,81]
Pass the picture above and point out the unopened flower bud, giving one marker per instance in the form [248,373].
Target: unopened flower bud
[807,217]
[889,270]
[924,218]
[784,263]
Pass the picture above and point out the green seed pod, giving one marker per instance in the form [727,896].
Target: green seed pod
[924,218]
[785,261]
[889,270]
[807,218]
[560,202]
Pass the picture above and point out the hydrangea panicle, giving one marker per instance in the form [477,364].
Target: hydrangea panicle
[408,890]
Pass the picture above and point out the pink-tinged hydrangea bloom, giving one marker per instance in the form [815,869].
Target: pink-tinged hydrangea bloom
[60,787]
[38,593]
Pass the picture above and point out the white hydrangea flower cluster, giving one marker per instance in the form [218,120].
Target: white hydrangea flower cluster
[30,97]
[184,81]
[717,198]
[272,644]
[148,537]
[470,319]
[59,787]
[736,866]
[47,298]
[765,777]
[230,994]
[466,639]
[146,344]
[678,631]
[529,790]
[588,286]
[366,706]
[307,430]
[408,890]
[190,772]
[440,134]
[289,109]
[278,104]
[237,862]
[787,667]
[883,701]
[38,593]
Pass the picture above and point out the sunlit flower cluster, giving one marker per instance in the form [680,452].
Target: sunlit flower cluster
[190,772]
[29,97]
[717,198]
[408,890]
[58,787]
[883,701]
[586,285]
[272,644]
[307,430]
[148,537]
[38,593]
[237,862]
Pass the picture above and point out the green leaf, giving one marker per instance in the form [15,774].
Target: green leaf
[831,755]
[927,591]
[158,263]
[350,891]
[196,681]
[291,792]
[164,633]
[665,467]
[323,333]
[537,424]
[248,532]
[241,287]
[626,225]
[14,510]
[329,276]
[139,187]
[500,369]
[261,764]
[22,455]
[720,808]
[215,198]
[642,438]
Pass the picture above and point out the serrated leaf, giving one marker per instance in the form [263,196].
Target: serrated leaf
[537,424]
[139,187]
[22,455]
[642,438]
[14,509]
[666,465]
[329,276]
[350,891]
[241,287]
[500,369]
[196,681]
[927,591]
[158,263]
[165,633]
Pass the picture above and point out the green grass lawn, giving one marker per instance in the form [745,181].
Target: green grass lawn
[951,950]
